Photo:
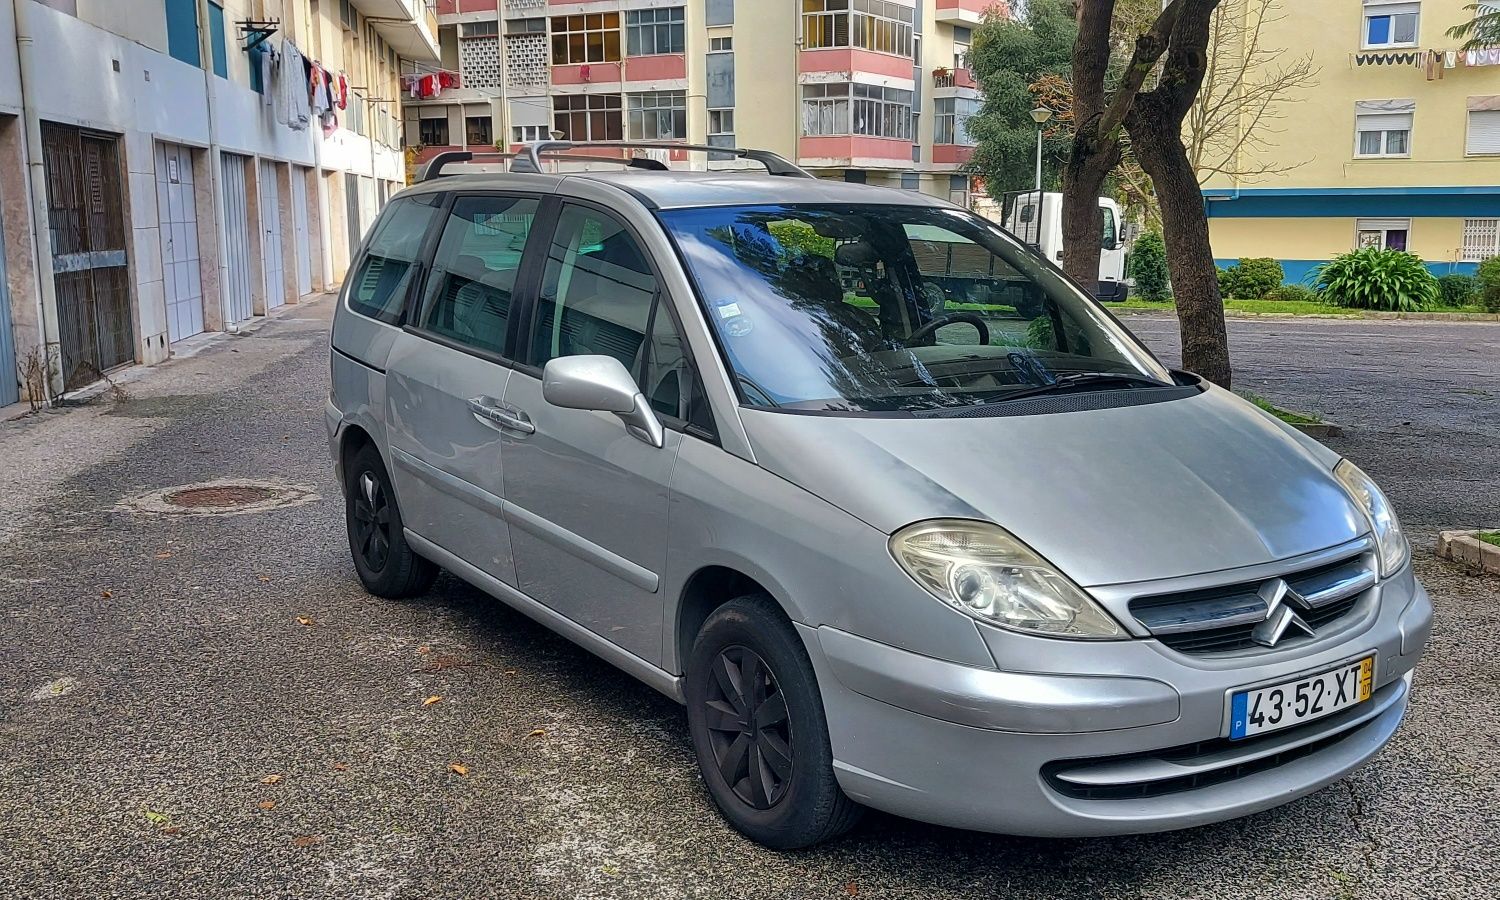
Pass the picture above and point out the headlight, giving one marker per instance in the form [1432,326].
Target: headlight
[1390,543]
[984,571]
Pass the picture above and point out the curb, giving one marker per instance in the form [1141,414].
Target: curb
[1464,547]
[1365,315]
[1321,429]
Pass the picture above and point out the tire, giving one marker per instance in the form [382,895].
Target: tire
[790,805]
[386,563]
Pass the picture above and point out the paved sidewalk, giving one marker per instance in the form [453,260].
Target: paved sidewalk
[212,707]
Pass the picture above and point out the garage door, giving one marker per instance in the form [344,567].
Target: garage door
[270,233]
[301,244]
[237,305]
[177,214]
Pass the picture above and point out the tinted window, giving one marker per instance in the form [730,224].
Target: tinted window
[596,293]
[379,287]
[474,269]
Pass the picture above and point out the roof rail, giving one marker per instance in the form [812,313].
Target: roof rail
[530,157]
[434,167]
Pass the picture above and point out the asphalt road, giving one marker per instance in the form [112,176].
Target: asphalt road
[156,673]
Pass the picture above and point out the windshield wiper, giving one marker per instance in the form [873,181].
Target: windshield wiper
[1084,380]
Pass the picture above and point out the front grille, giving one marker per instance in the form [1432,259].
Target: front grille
[1216,761]
[1226,619]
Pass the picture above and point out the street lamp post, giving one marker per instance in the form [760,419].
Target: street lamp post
[1040,116]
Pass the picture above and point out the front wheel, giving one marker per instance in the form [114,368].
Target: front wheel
[759,729]
[386,563]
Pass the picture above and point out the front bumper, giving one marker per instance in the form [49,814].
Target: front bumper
[1136,744]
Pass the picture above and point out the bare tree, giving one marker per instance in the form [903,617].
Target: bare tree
[1246,86]
[1155,122]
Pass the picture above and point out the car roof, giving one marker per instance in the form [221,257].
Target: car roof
[678,189]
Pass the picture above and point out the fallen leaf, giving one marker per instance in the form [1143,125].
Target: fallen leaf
[509,672]
[263,578]
[852,889]
[267,804]
[424,649]
[340,767]
[154,817]
[431,700]
[107,594]
[538,732]
[458,769]
[171,829]
[273,778]
[165,554]
[304,620]
[306,840]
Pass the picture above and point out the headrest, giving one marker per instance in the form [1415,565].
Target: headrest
[856,255]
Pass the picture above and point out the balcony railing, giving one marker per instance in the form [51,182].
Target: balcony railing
[948,78]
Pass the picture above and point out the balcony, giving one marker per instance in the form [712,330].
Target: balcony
[853,152]
[410,26]
[954,78]
[968,13]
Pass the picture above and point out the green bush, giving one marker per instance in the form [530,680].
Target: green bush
[1256,278]
[1293,293]
[1458,290]
[1489,284]
[1227,279]
[1373,278]
[1148,266]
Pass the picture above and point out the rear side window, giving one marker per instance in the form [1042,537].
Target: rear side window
[379,287]
[474,271]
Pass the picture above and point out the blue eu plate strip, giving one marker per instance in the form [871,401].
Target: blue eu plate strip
[1237,715]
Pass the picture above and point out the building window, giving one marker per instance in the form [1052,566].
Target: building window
[588,117]
[182,31]
[216,44]
[649,32]
[721,121]
[1383,128]
[585,39]
[433,132]
[856,109]
[1481,240]
[911,181]
[879,25]
[1382,234]
[658,115]
[952,117]
[347,16]
[1483,136]
[1390,24]
[522,134]
[525,26]
[720,44]
[478,131]
[479,29]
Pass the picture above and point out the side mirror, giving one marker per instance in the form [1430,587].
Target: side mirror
[601,384]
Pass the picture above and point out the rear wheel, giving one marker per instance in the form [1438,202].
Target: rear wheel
[759,729]
[386,563]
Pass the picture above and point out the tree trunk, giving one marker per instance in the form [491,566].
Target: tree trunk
[1190,259]
[1082,226]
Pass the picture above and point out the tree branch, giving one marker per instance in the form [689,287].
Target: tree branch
[1149,48]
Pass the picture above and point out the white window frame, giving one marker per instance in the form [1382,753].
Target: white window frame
[592,105]
[1374,9]
[1383,227]
[1491,145]
[843,108]
[647,29]
[949,122]
[718,119]
[1362,126]
[654,108]
[880,26]
[523,134]
[723,44]
[1481,240]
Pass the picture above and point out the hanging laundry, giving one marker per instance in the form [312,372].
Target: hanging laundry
[1450,59]
[266,62]
[318,90]
[429,88]
[290,77]
[448,80]
[330,122]
[343,92]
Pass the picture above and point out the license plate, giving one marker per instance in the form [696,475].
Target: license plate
[1278,706]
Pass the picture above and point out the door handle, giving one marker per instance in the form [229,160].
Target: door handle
[495,413]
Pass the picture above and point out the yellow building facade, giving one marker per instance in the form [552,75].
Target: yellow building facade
[1396,144]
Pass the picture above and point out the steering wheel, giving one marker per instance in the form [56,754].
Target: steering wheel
[928,329]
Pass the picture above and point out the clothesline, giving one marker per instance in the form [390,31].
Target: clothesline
[301,89]
[1433,62]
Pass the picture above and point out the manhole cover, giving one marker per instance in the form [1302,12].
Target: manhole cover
[225,497]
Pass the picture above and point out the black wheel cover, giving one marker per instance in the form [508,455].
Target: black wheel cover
[372,521]
[749,731]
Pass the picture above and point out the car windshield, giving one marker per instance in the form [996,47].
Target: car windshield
[891,308]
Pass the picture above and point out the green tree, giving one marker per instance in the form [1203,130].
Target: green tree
[1480,32]
[1148,266]
[1008,56]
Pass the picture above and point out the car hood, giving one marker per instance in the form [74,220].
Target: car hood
[1138,493]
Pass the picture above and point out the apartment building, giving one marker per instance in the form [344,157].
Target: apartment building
[170,167]
[1397,145]
[873,91]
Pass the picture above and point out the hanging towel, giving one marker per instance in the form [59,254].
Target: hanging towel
[267,64]
[291,88]
[343,91]
[1450,59]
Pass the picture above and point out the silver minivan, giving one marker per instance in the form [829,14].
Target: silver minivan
[903,517]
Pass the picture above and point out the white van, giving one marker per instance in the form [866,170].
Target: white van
[1036,219]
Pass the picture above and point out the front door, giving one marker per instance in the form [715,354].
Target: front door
[272,264]
[587,501]
[447,377]
[238,305]
[88,252]
[301,242]
[177,216]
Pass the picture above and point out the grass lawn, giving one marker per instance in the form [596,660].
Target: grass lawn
[1281,307]
[1287,416]
[1489,537]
